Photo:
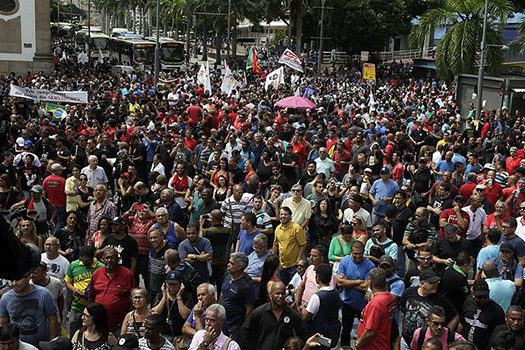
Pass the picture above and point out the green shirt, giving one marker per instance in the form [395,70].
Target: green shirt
[80,276]
[339,248]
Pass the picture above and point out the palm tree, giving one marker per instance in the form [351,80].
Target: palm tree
[518,45]
[457,52]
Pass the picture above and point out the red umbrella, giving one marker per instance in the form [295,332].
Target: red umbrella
[295,102]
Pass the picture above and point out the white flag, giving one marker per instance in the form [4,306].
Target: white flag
[100,56]
[203,77]
[228,81]
[274,78]
[291,60]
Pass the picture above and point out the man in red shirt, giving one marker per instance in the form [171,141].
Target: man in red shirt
[467,189]
[54,186]
[513,161]
[375,325]
[455,216]
[342,160]
[111,286]
[299,149]
[194,113]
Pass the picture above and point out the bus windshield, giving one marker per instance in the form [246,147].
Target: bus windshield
[100,43]
[144,55]
[172,53]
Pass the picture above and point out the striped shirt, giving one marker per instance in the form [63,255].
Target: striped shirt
[232,211]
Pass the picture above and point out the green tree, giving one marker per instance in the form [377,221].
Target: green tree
[356,25]
[457,51]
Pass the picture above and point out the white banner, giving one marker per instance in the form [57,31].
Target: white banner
[203,77]
[291,60]
[47,95]
[228,82]
[274,78]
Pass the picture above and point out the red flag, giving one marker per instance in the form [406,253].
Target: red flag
[256,66]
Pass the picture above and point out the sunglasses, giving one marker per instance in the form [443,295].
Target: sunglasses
[425,258]
[437,324]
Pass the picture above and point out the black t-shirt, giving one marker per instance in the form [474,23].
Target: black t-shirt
[68,239]
[422,180]
[441,203]
[10,171]
[289,172]
[519,336]
[479,321]
[416,309]
[454,286]
[400,224]
[174,320]
[444,249]
[126,247]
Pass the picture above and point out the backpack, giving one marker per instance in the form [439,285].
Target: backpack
[391,282]
[451,336]
[378,250]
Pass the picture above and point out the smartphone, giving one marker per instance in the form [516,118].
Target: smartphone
[324,341]
[138,207]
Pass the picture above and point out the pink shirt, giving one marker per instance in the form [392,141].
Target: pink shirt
[199,337]
[310,286]
[442,338]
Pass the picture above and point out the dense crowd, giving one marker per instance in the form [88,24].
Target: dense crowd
[184,219]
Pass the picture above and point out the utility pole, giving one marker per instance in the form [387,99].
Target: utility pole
[58,11]
[89,30]
[482,63]
[229,24]
[157,48]
[321,38]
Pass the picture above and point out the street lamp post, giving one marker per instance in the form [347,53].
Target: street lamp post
[229,24]
[482,62]
[320,58]
[89,30]
[157,48]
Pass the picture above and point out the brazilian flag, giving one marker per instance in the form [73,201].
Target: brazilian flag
[57,110]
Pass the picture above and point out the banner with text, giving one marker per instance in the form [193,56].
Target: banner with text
[47,95]
[369,71]
[291,60]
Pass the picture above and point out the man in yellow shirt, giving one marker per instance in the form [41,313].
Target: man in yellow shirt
[289,244]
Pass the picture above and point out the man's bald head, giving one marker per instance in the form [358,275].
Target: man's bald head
[490,268]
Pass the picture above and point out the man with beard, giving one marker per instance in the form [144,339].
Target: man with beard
[480,315]
[513,323]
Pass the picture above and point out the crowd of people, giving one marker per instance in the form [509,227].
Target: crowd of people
[188,219]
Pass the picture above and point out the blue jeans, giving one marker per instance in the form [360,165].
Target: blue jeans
[287,274]
[60,219]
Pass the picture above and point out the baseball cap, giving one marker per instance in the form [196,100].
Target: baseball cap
[118,221]
[20,142]
[127,341]
[481,187]
[37,189]
[489,166]
[56,166]
[480,288]
[386,260]
[28,144]
[430,276]
[174,277]
[58,343]
[506,247]
[368,170]
[384,171]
